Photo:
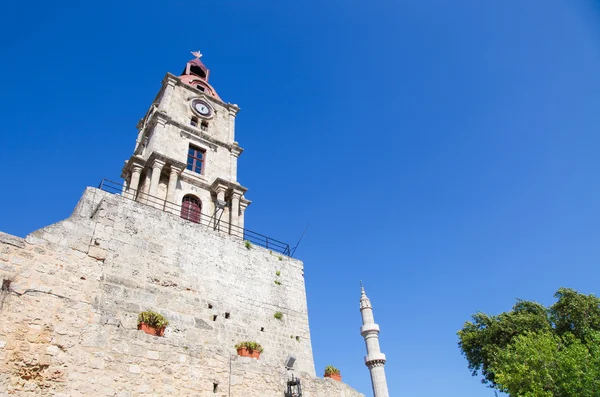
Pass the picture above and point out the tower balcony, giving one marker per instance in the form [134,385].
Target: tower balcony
[186,212]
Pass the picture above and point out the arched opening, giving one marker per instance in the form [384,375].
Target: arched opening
[198,71]
[191,208]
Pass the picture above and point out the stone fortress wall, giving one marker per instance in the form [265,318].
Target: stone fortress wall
[72,292]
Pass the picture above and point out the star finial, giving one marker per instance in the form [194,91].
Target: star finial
[197,54]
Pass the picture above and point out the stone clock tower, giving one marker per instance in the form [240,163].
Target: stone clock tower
[185,158]
[75,292]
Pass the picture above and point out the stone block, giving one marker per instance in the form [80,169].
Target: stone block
[97,253]
[12,240]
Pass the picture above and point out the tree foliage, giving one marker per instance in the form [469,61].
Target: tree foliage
[534,351]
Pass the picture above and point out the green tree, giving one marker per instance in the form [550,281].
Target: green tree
[534,351]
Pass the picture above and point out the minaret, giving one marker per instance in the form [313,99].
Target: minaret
[375,359]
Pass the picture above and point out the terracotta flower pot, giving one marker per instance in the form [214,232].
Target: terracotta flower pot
[337,377]
[149,329]
[244,352]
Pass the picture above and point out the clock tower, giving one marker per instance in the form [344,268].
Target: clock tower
[185,157]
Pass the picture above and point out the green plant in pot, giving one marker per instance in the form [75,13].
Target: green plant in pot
[249,349]
[333,373]
[152,323]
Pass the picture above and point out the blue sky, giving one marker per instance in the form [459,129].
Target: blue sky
[445,152]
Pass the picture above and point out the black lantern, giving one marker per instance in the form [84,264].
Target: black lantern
[294,389]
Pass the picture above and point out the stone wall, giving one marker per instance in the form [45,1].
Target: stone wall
[72,292]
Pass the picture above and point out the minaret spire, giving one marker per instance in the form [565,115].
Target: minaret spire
[375,359]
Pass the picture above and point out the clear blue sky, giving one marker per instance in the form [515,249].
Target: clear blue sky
[445,152]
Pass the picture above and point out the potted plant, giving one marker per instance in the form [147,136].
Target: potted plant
[152,323]
[333,373]
[249,349]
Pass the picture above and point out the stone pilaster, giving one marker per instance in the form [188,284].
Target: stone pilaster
[134,181]
[244,203]
[235,154]
[235,214]
[220,206]
[172,187]
[169,84]
[157,167]
[146,188]
[233,110]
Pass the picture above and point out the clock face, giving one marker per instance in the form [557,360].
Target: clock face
[202,108]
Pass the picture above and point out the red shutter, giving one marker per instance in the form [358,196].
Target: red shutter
[190,209]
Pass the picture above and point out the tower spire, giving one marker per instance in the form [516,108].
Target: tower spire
[375,359]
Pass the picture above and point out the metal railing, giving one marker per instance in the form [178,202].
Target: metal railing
[214,222]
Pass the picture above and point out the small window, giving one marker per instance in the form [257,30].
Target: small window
[204,125]
[191,208]
[194,122]
[195,160]
[201,88]
[227,315]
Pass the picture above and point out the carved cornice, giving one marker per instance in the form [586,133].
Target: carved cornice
[244,203]
[195,179]
[236,150]
[237,194]
[220,183]
[233,109]
[198,133]
[164,119]
[159,158]
[197,137]
[170,79]
[177,168]
[134,161]
[160,117]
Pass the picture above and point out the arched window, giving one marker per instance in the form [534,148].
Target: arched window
[191,208]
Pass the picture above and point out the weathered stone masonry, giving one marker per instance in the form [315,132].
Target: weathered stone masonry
[73,291]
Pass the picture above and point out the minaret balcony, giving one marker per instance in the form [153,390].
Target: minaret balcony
[375,358]
[369,329]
